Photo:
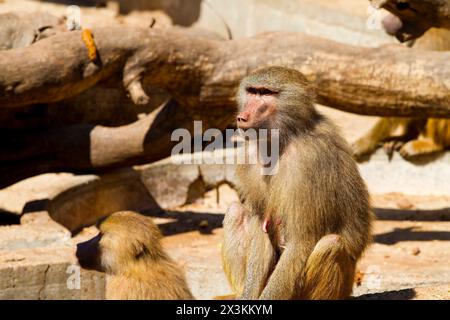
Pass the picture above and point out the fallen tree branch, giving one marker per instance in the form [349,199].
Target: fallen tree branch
[87,148]
[20,29]
[203,74]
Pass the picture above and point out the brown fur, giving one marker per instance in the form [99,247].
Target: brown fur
[317,204]
[128,249]
[417,136]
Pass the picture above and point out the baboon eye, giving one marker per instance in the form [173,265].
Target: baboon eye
[402,6]
[260,91]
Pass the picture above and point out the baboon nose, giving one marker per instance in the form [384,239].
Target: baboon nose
[242,118]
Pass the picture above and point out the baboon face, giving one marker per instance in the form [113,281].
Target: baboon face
[88,253]
[259,108]
[403,30]
[274,98]
[125,238]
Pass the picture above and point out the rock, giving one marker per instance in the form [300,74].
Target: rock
[41,231]
[37,261]
[47,273]
[172,185]
[86,203]
[44,187]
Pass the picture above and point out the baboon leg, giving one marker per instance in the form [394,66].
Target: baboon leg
[383,129]
[247,253]
[420,147]
[260,263]
[235,246]
[391,146]
[438,130]
[371,140]
[329,271]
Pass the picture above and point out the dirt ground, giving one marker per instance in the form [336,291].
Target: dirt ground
[409,259]
[405,255]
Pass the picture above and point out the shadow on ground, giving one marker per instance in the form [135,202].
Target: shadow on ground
[187,221]
[412,215]
[8,218]
[406,294]
[409,234]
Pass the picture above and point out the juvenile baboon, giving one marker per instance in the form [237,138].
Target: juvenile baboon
[412,137]
[298,233]
[128,249]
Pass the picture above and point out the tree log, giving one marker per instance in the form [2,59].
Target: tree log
[85,148]
[20,29]
[203,74]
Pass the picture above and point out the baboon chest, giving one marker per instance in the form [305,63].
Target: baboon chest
[253,187]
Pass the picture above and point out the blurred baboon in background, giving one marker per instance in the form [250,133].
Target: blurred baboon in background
[412,137]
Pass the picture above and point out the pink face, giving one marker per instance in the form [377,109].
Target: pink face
[259,108]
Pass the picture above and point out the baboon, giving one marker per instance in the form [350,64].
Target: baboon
[412,137]
[128,249]
[296,234]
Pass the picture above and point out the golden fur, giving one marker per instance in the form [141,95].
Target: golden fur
[128,249]
[316,206]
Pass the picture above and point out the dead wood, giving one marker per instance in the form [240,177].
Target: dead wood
[201,75]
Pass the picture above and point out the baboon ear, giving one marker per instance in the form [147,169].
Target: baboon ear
[141,250]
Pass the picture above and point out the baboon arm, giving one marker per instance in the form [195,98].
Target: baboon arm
[284,281]
[260,263]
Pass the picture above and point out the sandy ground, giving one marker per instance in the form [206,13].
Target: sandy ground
[405,255]
[409,259]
